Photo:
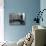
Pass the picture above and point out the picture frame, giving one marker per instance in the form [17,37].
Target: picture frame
[17,18]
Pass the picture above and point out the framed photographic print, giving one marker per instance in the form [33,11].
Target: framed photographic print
[17,18]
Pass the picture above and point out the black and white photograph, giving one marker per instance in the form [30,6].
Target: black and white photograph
[17,19]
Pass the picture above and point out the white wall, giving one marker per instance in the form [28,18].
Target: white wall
[1,21]
[43,6]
